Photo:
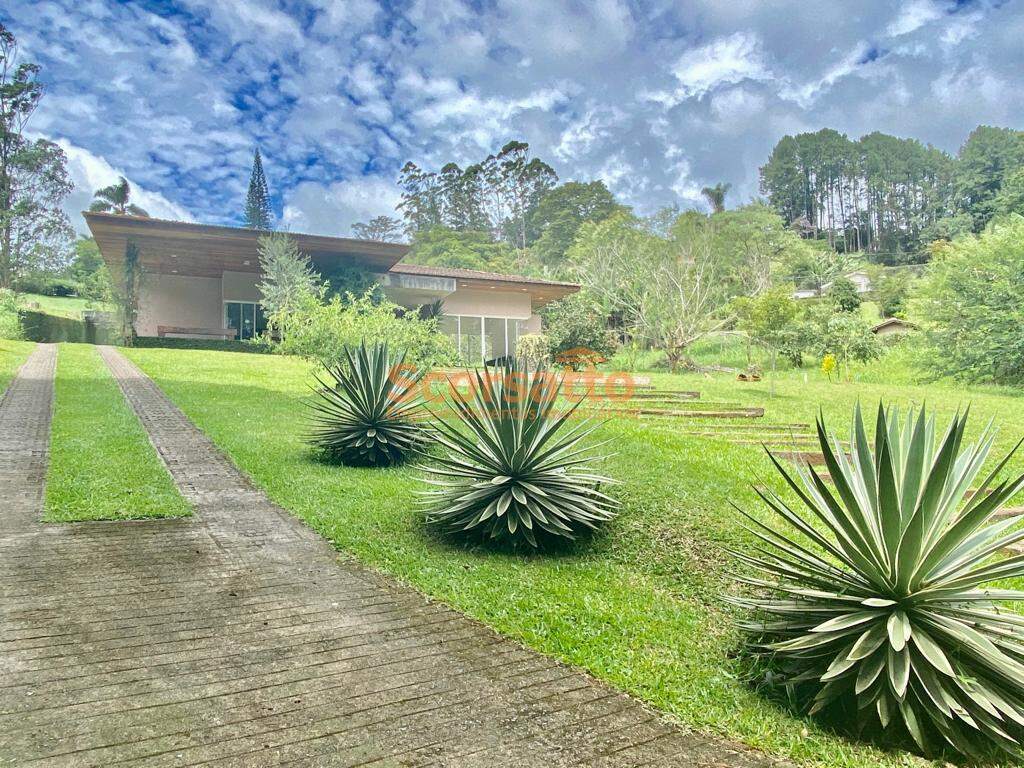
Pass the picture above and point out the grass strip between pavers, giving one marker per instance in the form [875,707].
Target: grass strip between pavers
[102,465]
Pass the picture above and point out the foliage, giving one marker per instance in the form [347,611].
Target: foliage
[127,290]
[576,324]
[366,416]
[439,246]
[972,305]
[89,271]
[769,320]
[716,196]
[828,365]
[843,295]
[289,281]
[35,233]
[892,291]
[844,335]
[322,331]
[257,200]
[811,266]
[510,469]
[534,349]
[351,278]
[554,221]
[496,195]
[116,198]
[10,325]
[879,608]
[384,229]
[1011,193]
[987,159]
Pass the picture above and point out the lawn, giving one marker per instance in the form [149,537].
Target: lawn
[639,604]
[12,355]
[102,465]
[62,306]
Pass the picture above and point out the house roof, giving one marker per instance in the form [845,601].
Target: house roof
[205,250]
[893,322]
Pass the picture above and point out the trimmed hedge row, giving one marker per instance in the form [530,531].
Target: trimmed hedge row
[39,326]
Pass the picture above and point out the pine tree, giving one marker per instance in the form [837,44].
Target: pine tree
[257,201]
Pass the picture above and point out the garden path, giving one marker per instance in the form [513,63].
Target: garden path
[241,638]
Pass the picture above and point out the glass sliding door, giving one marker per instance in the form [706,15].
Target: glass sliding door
[494,339]
[245,318]
[470,340]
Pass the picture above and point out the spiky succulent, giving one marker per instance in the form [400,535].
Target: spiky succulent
[879,606]
[511,466]
[367,414]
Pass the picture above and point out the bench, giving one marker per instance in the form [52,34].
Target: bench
[225,334]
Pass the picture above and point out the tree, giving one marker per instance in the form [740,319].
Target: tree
[442,247]
[33,174]
[768,320]
[385,229]
[716,196]
[667,292]
[577,330]
[89,271]
[127,290]
[988,157]
[116,199]
[257,201]
[842,294]
[844,336]
[289,281]
[972,305]
[892,291]
[1011,194]
[556,218]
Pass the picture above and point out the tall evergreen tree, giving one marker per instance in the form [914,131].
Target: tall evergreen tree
[257,201]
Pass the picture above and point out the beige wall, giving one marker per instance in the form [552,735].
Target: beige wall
[486,303]
[241,286]
[192,302]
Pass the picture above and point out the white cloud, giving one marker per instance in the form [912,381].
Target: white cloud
[725,61]
[333,209]
[90,172]
[914,15]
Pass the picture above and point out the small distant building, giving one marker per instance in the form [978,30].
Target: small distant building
[893,326]
[861,282]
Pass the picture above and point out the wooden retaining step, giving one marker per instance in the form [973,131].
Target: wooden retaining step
[735,413]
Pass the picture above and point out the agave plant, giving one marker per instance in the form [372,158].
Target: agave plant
[879,606]
[367,415]
[511,467]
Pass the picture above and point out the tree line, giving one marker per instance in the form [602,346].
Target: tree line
[892,196]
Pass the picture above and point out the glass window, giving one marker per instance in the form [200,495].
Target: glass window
[245,317]
[469,344]
[512,334]
[494,338]
[449,325]
[233,315]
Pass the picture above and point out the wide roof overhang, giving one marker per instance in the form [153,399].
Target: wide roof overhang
[202,250]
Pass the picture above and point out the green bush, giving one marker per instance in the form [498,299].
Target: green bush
[972,305]
[39,326]
[323,331]
[509,469]
[258,346]
[876,605]
[534,349]
[574,326]
[10,324]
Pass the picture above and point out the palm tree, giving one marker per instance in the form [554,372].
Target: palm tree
[114,199]
[716,196]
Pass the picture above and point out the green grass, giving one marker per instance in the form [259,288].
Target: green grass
[62,306]
[639,605]
[12,355]
[102,465]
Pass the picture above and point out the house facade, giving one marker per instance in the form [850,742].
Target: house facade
[200,281]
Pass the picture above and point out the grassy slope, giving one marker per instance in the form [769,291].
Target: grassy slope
[12,355]
[638,606]
[61,306]
[102,465]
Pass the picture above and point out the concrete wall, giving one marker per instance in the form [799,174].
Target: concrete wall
[488,303]
[192,302]
[241,286]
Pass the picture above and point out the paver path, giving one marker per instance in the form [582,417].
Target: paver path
[240,638]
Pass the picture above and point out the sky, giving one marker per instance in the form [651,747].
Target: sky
[657,98]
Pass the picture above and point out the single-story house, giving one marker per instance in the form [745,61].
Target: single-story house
[893,326]
[200,281]
[861,282]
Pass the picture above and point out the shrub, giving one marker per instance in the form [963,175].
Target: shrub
[534,348]
[877,609]
[843,295]
[576,326]
[366,417]
[10,324]
[507,470]
[322,332]
[971,301]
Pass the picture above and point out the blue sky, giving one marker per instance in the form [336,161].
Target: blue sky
[657,98]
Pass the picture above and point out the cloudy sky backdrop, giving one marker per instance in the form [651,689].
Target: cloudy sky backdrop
[657,98]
